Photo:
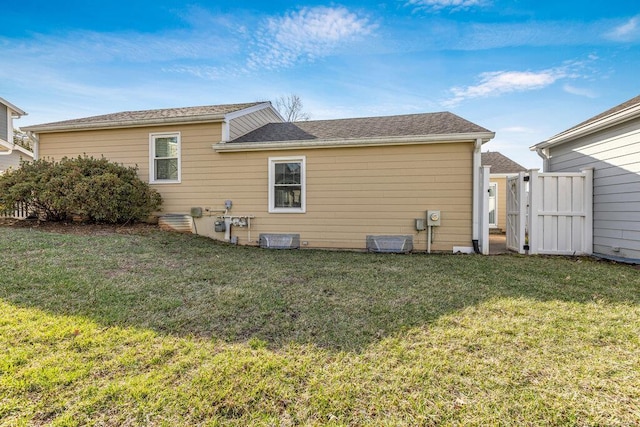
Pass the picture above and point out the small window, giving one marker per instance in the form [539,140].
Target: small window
[287,185]
[164,157]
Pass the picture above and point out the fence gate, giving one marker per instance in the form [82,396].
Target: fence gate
[516,212]
[557,216]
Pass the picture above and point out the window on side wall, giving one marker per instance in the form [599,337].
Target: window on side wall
[164,152]
[287,185]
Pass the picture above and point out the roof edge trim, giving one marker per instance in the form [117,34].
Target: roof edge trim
[18,111]
[355,142]
[589,128]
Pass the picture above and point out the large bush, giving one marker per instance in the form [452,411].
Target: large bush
[95,189]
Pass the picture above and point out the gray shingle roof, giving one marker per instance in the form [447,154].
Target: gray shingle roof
[144,117]
[500,163]
[627,104]
[442,123]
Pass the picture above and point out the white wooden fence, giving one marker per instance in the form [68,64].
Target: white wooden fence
[557,216]
[20,211]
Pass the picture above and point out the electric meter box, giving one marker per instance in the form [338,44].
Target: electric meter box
[196,212]
[433,218]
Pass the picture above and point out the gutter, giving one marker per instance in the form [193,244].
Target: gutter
[352,142]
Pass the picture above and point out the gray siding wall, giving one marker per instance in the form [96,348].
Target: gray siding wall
[615,156]
[249,122]
[12,160]
[4,124]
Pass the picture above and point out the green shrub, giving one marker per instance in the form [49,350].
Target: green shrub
[95,189]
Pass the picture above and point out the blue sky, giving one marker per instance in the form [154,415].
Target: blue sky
[525,69]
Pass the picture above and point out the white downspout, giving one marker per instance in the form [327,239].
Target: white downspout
[36,144]
[544,153]
[477,163]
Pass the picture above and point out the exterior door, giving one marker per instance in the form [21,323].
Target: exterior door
[493,204]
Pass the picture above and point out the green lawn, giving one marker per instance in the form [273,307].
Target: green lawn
[158,328]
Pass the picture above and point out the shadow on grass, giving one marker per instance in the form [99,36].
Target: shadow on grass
[187,285]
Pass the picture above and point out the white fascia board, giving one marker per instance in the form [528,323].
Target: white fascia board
[355,142]
[23,150]
[595,126]
[18,112]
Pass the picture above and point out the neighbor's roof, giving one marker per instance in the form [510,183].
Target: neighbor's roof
[145,117]
[500,163]
[443,123]
[18,112]
[627,110]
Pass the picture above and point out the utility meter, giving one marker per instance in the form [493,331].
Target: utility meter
[433,218]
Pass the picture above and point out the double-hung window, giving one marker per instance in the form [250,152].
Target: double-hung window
[287,185]
[164,152]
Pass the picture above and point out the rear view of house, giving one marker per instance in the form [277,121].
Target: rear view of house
[10,154]
[610,144]
[239,173]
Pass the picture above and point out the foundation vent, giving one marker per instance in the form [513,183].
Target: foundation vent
[390,244]
[280,241]
[175,222]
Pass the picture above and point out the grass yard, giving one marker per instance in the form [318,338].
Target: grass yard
[158,328]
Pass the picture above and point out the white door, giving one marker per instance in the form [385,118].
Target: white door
[493,204]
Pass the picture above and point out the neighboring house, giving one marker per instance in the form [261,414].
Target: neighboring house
[610,144]
[242,172]
[10,153]
[502,167]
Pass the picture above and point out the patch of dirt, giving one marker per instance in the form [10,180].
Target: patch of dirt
[70,227]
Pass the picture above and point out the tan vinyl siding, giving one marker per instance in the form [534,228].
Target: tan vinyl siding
[615,156]
[249,122]
[351,192]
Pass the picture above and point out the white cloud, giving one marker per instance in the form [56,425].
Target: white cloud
[500,82]
[454,5]
[628,31]
[574,90]
[306,35]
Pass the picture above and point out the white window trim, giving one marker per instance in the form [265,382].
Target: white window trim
[152,158]
[303,180]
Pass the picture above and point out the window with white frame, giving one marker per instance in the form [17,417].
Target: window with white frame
[164,157]
[287,185]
